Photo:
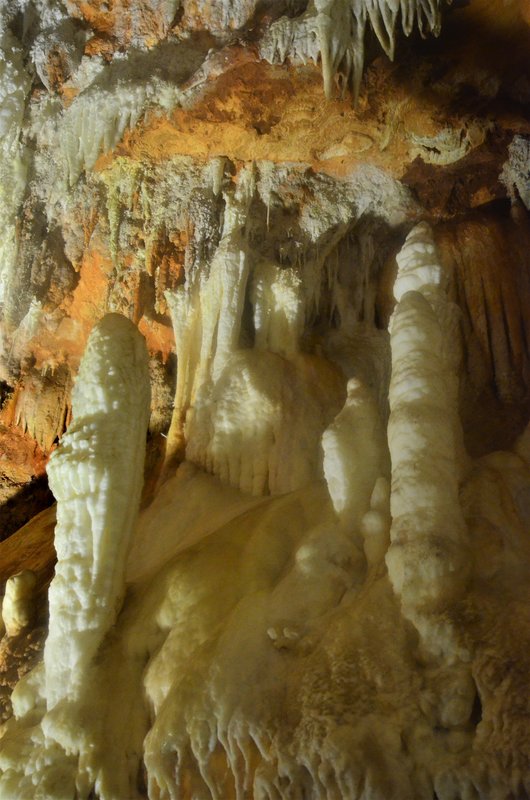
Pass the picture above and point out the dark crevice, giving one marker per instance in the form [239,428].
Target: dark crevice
[29,500]
[476,711]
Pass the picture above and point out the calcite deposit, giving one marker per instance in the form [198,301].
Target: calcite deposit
[265,335]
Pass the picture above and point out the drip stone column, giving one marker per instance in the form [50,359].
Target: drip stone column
[96,476]
[427,558]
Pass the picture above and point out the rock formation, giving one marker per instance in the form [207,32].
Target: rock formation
[265,328]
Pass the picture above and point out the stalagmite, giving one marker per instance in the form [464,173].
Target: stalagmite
[375,525]
[96,477]
[18,605]
[427,559]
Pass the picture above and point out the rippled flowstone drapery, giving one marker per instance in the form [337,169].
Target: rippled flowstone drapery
[293,305]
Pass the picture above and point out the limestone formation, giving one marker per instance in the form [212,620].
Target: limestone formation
[265,331]
[18,604]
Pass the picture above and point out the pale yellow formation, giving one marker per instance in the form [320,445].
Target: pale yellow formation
[428,559]
[355,453]
[18,605]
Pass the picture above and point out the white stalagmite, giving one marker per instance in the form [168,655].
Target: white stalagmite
[375,525]
[426,559]
[419,269]
[96,476]
[18,606]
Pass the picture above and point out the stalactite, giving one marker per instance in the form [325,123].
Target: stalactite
[206,314]
[95,123]
[334,30]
